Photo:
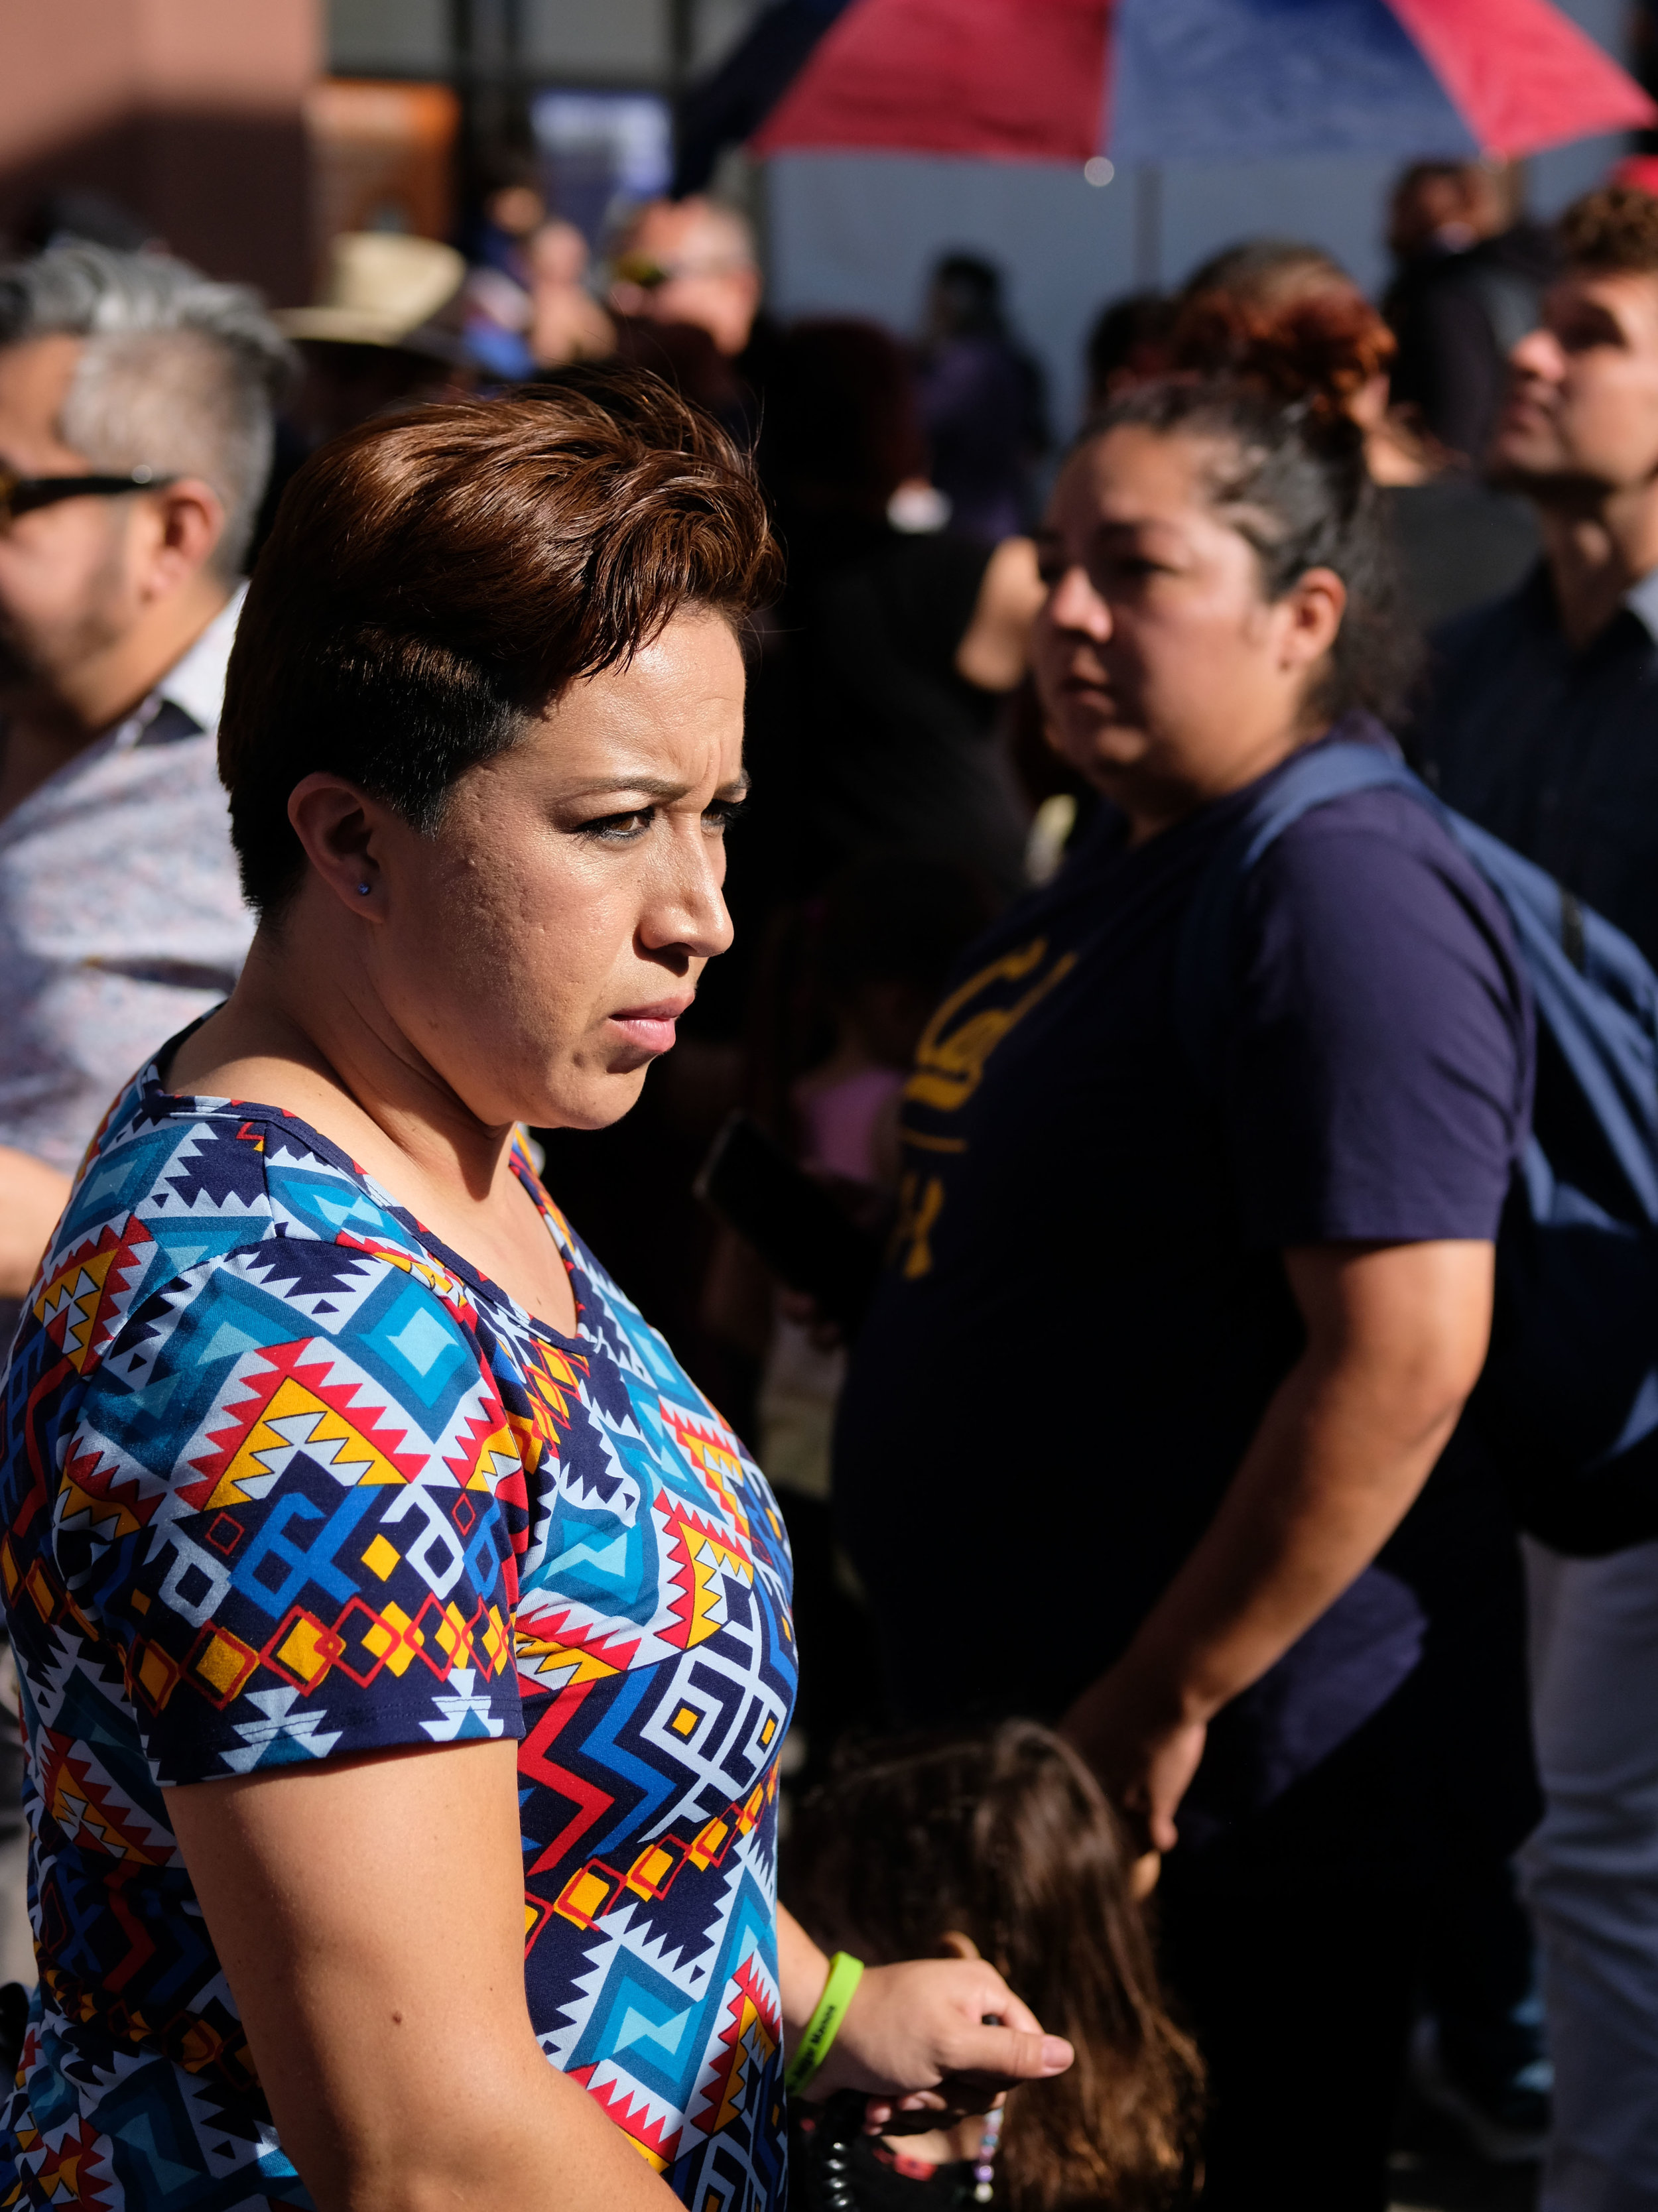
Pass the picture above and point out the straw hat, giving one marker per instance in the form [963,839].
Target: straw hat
[382,288]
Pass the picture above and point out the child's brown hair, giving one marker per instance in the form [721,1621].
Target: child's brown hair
[1006,1837]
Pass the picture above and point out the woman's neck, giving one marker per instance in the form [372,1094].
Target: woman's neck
[314,1039]
[1154,804]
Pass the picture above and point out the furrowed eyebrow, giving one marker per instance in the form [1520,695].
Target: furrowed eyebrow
[653,787]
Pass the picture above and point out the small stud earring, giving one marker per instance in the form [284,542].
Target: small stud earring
[364,890]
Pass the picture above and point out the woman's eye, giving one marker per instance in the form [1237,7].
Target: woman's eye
[721,814]
[620,829]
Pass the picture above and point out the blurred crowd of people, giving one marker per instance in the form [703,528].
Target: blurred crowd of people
[1396,1811]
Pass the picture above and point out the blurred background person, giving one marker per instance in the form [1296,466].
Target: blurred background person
[1541,725]
[1469,271]
[566,322]
[902,644]
[689,261]
[136,404]
[685,292]
[984,402]
[692,261]
[509,209]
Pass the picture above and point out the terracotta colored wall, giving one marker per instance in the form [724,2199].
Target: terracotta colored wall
[188,111]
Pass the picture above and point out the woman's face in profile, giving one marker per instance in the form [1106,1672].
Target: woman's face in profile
[1156,655]
[538,949]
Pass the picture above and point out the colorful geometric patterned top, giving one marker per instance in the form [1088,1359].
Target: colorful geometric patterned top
[287,1478]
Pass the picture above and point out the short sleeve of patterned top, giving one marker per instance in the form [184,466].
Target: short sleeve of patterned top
[288,1480]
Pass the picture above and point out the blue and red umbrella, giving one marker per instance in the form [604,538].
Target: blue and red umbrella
[1151,81]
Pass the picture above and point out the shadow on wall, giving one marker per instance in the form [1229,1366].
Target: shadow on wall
[227,191]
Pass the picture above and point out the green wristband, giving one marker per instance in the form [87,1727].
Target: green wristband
[845,1972]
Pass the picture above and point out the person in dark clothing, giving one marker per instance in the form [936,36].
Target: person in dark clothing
[1471,274]
[983,401]
[1541,725]
[880,715]
[1160,1381]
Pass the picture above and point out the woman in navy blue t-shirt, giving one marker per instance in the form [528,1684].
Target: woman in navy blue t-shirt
[1160,1381]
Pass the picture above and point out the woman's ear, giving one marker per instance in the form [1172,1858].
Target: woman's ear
[336,824]
[1316,604]
[952,1944]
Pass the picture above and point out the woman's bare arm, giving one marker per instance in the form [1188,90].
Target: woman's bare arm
[1396,1337]
[32,1196]
[994,648]
[370,1917]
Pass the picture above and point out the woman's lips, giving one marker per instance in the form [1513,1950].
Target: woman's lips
[651,1026]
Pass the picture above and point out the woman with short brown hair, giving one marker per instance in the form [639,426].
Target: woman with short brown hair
[405,1638]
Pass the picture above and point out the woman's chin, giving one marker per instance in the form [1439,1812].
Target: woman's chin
[596,1096]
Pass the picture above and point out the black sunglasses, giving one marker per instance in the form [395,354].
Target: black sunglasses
[19,495]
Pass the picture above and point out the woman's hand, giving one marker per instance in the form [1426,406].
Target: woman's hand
[1143,1748]
[932,2035]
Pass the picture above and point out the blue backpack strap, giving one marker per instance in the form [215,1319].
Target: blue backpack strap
[1203,962]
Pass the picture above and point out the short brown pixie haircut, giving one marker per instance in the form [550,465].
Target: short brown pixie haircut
[436,580]
[1611,232]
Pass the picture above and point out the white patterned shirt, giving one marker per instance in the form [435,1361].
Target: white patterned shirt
[121,915]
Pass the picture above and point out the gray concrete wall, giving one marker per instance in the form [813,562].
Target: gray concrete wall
[576,42]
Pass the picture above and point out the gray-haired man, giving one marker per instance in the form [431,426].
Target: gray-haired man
[135,441]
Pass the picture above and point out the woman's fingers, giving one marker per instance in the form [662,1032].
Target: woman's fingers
[935,2027]
[998,2057]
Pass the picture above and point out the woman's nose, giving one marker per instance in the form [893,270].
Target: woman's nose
[689,907]
[1075,604]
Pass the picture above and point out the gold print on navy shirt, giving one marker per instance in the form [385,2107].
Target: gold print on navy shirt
[919,1202]
[949,1068]
[950,1062]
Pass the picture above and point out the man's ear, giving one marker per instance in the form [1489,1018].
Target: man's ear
[187,520]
